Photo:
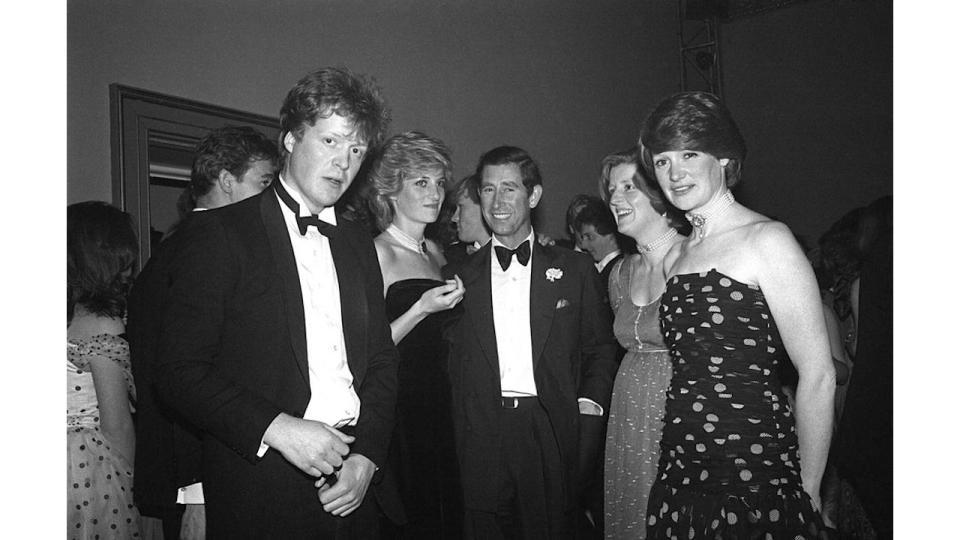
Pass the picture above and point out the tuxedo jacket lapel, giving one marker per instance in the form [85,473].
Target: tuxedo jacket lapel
[543,299]
[286,267]
[353,300]
[476,280]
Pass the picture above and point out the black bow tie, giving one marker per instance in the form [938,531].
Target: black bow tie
[505,254]
[303,222]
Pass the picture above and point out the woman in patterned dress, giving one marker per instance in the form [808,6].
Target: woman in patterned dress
[639,391]
[101,250]
[736,461]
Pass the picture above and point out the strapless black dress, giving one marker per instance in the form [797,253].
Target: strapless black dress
[729,466]
[422,451]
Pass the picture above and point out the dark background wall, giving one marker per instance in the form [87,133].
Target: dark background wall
[810,84]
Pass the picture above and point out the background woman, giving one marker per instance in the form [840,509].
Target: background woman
[740,295]
[407,182]
[639,391]
[101,250]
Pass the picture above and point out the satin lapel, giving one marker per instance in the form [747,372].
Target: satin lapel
[543,299]
[353,301]
[479,304]
[286,268]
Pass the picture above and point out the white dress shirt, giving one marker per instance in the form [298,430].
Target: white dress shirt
[333,399]
[511,321]
[603,262]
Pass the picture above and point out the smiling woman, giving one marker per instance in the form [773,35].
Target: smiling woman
[740,297]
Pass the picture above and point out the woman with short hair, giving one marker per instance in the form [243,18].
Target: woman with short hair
[740,298]
[639,390]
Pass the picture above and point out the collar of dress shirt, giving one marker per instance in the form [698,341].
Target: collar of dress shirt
[328,214]
[603,262]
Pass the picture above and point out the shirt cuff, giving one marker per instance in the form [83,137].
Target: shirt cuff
[192,494]
[263,449]
[592,408]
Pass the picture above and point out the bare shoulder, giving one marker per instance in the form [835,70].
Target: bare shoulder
[671,257]
[385,250]
[772,238]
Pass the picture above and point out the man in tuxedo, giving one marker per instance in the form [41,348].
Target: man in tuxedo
[274,340]
[596,234]
[531,364]
[230,164]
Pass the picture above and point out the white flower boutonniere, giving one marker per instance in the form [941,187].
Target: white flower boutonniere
[554,274]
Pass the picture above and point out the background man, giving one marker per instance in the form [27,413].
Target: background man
[472,232]
[230,164]
[596,234]
[532,361]
[274,341]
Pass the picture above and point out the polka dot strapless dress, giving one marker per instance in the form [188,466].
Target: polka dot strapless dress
[728,455]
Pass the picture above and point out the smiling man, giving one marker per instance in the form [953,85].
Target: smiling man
[532,364]
[275,343]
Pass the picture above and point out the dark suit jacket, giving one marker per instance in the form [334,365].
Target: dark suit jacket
[573,356]
[167,446]
[233,356]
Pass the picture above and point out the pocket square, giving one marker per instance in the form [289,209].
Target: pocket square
[562,303]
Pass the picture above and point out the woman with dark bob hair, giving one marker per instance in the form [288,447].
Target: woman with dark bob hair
[740,298]
[101,250]
[407,182]
[639,390]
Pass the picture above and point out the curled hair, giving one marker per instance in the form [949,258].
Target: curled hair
[404,156]
[101,247]
[693,121]
[595,212]
[230,148]
[645,183]
[576,205]
[329,91]
[505,155]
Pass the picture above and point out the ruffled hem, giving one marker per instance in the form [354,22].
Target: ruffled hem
[786,513]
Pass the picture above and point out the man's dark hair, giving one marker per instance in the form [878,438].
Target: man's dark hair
[504,155]
[230,148]
[595,212]
[329,91]
[466,186]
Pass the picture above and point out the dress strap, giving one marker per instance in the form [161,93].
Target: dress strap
[616,284]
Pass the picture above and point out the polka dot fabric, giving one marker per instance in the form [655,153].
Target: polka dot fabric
[729,466]
[99,480]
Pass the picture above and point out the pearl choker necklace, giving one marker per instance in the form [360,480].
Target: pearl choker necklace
[659,242]
[710,211]
[407,241]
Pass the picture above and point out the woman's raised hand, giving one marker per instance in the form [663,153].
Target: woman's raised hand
[442,297]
